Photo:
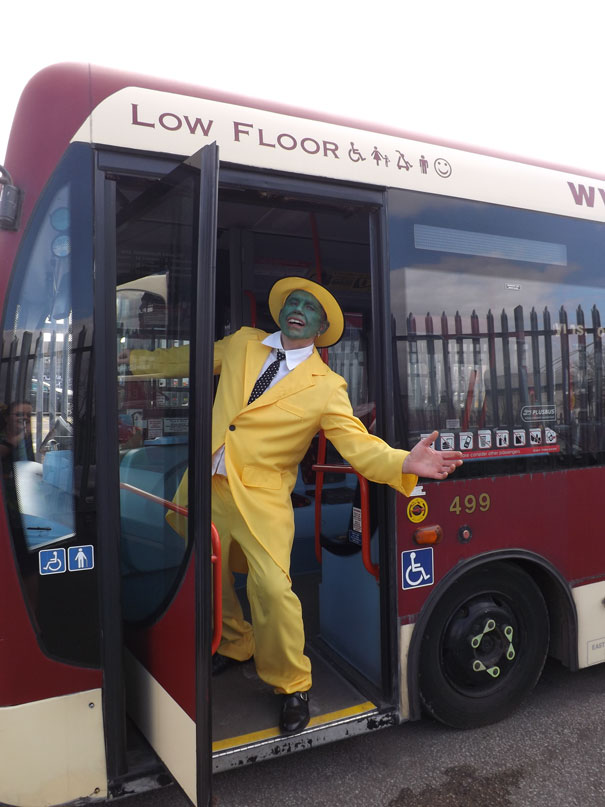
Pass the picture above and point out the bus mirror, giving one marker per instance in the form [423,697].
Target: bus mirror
[10,201]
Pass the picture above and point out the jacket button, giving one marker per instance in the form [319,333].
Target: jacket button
[232,428]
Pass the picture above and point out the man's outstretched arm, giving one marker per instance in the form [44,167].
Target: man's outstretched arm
[423,460]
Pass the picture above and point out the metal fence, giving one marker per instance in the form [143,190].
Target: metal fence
[484,372]
[48,373]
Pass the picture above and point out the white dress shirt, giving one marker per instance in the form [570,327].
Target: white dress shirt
[293,359]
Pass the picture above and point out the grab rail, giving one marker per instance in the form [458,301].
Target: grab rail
[366,554]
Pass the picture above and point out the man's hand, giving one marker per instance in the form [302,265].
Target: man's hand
[423,460]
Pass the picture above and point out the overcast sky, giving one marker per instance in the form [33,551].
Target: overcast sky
[521,77]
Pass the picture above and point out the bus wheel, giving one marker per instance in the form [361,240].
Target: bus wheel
[484,646]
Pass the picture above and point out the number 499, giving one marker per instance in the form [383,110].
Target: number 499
[470,503]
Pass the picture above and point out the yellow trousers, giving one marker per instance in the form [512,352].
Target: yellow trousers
[276,637]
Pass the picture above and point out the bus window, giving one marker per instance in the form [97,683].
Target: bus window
[507,363]
[47,457]
[152,303]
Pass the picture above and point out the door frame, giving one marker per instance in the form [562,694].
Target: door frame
[200,448]
[305,189]
[107,462]
[107,469]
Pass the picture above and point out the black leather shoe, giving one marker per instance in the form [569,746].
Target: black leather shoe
[294,712]
[221,663]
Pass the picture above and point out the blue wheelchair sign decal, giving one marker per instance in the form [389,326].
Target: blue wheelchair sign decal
[417,568]
[52,561]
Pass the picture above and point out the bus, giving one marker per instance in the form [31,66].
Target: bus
[139,213]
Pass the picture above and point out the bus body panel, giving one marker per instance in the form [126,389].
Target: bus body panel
[589,599]
[556,525]
[167,646]
[108,107]
[146,119]
[56,751]
[154,710]
[27,674]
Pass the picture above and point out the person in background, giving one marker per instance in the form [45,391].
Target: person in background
[15,435]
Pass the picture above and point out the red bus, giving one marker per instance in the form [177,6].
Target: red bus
[140,213]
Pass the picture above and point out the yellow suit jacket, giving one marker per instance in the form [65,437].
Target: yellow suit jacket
[265,441]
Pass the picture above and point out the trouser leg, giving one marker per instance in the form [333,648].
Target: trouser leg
[237,638]
[277,622]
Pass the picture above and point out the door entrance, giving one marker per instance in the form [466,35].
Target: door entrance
[261,236]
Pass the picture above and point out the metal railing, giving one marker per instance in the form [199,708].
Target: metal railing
[484,372]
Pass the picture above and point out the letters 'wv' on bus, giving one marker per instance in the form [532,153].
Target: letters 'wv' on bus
[137,214]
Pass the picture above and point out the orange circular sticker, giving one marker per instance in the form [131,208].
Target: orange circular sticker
[418,510]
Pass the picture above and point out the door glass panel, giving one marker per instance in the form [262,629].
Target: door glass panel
[156,247]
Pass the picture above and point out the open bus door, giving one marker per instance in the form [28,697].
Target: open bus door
[158,293]
[260,235]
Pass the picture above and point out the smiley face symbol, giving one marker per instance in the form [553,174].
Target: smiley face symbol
[443,168]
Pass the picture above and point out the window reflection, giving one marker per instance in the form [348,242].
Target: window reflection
[46,428]
[498,332]
[155,255]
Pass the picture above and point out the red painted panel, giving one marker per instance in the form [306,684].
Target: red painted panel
[26,674]
[167,648]
[553,514]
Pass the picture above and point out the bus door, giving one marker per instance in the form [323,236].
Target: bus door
[261,236]
[159,308]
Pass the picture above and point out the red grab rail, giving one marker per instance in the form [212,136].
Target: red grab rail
[366,554]
[217,589]
[183,511]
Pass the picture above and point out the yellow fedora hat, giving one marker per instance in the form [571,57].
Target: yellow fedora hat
[283,288]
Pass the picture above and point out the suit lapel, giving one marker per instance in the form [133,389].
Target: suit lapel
[256,355]
[298,379]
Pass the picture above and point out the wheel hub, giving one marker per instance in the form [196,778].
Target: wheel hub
[479,644]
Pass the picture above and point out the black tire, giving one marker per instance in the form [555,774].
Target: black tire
[484,646]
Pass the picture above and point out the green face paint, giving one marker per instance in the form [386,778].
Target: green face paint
[302,317]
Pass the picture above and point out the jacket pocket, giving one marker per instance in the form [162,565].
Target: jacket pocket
[255,477]
[290,407]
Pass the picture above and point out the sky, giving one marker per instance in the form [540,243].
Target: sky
[524,78]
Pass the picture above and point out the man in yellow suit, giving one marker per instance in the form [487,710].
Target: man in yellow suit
[274,394]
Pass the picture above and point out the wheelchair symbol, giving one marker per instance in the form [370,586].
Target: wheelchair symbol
[54,564]
[52,561]
[417,568]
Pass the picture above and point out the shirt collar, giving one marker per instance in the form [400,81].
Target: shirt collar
[293,357]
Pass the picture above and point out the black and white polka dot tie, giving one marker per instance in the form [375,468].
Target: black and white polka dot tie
[263,381]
